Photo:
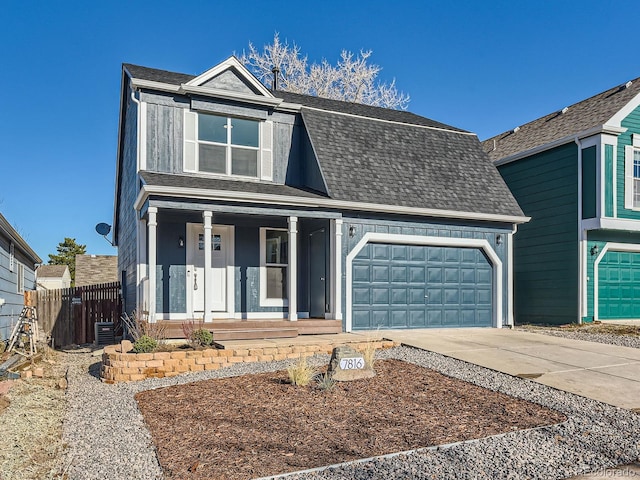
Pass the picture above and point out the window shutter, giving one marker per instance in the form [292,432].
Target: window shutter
[628,176]
[266,151]
[190,143]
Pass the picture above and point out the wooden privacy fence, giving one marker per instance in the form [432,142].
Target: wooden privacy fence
[69,314]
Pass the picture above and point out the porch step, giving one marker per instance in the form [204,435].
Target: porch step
[318,327]
[254,334]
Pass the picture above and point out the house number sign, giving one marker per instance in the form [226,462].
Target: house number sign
[356,363]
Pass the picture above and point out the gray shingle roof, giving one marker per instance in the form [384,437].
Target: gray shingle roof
[589,113]
[394,164]
[213,183]
[51,271]
[376,155]
[96,269]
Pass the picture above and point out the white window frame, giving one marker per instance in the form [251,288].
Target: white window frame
[629,178]
[20,278]
[12,256]
[264,300]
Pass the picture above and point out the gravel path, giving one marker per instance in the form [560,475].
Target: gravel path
[107,437]
[621,340]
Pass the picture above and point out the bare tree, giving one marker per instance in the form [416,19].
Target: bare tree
[352,79]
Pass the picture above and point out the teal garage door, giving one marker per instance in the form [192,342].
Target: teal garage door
[408,286]
[619,286]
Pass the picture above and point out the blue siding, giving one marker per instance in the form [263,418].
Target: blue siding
[589,187]
[632,124]
[170,269]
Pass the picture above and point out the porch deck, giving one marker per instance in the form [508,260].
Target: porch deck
[234,329]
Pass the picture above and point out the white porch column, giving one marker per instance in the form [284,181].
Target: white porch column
[208,270]
[337,269]
[152,260]
[142,277]
[293,269]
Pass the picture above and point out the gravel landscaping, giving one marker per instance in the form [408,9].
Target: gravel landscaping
[106,435]
[622,335]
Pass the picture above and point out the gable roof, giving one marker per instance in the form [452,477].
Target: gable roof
[14,236]
[51,271]
[580,117]
[378,156]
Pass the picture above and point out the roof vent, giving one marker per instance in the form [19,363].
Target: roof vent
[515,130]
[628,84]
[564,110]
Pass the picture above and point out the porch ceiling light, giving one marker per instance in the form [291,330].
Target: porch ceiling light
[180,241]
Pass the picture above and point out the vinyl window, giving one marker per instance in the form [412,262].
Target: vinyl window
[274,264]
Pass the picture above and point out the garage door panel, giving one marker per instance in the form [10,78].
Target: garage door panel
[412,286]
[619,285]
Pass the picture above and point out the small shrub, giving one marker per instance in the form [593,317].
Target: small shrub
[145,344]
[325,382]
[301,373]
[202,337]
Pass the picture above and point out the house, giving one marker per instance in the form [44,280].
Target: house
[17,273]
[272,210]
[576,173]
[96,269]
[52,277]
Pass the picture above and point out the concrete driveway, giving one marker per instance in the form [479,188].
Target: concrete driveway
[607,373]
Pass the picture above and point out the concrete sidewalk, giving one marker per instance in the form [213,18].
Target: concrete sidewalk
[607,373]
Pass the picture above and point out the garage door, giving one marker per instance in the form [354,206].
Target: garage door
[408,286]
[619,285]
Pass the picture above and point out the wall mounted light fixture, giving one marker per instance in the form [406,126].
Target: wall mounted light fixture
[498,239]
[594,250]
[180,241]
[352,231]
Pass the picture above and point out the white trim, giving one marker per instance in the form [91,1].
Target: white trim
[264,301]
[608,129]
[231,270]
[510,278]
[628,177]
[207,217]
[426,240]
[624,112]
[12,257]
[138,83]
[229,95]
[142,139]
[315,202]
[229,63]
[581,234]
[292,270]
[336,268]
[616,247]
[611,224]
[260,316]
[152,260]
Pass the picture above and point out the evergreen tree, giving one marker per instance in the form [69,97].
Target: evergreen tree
[66,255]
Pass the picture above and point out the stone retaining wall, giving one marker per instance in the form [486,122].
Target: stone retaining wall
[120,364]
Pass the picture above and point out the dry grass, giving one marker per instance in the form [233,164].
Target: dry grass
[31,441]
[301,373]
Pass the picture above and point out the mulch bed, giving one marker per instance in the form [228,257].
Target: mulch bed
[259,425]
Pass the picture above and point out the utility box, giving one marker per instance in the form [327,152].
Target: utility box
[104,333]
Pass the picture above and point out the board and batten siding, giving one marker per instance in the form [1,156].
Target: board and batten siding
[127,220]
[546,248]
[589,183]
[632,124]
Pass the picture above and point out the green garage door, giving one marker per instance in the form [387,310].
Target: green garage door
[407,286]
[619,286]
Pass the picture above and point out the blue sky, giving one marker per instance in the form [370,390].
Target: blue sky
[485,66]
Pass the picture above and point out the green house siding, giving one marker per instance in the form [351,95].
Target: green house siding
[608,181]
[546,248]
[632,124]
[589,194]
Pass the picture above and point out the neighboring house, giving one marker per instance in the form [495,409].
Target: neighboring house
[96,269]
[576,173]
[237,202]
[17,274]
[52,277]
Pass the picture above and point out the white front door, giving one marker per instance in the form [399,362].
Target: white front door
[220,263]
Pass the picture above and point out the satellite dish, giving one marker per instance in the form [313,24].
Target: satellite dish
[103,229]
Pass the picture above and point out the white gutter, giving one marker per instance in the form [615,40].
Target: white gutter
[608,129]
[582,247]
[229,95]
[270,199]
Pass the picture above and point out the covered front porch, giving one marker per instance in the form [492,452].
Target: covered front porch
[246,272]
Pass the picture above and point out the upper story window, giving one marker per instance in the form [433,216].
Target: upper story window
[636,178]
[227,146]
[632,174]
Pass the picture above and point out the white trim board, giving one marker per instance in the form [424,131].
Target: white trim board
[616,247]
[399,239]
[227,195]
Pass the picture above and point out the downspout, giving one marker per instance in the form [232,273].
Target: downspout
[581,247]
[510,279]
[139,274]
[137,102]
